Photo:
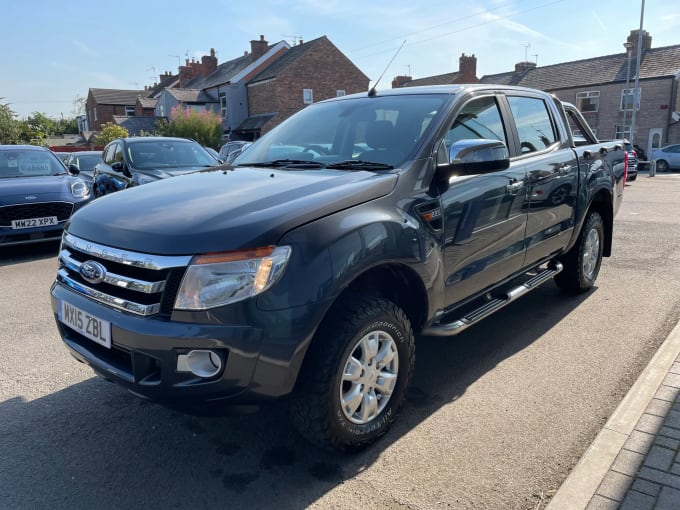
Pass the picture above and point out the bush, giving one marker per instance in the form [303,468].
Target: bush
[205,126]
[110,132]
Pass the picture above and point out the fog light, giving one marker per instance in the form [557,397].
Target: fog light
[200,363]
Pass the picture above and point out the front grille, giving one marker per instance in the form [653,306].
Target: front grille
[139,283]
[62,210]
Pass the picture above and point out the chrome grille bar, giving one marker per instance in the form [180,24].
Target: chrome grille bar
[115,279]
[142,260]
[115,302]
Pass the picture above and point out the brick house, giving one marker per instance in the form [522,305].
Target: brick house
[227,83]
[103,104]
[597,86]
[306,73]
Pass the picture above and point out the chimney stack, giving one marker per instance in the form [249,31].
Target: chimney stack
[400,81]
[258,48]
[522,67]
[633,39]
[467,67]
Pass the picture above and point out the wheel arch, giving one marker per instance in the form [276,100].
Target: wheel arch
[602,204]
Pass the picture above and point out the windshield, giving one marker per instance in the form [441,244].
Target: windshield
[385,130]
[87,162]
[168,154]
[29,163]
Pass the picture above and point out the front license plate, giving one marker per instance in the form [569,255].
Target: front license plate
[34,222]
[92,327]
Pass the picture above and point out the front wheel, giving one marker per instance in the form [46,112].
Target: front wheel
[582,262]
[355,375]
[662,166]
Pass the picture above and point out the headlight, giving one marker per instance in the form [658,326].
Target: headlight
[219,279]
[79,188]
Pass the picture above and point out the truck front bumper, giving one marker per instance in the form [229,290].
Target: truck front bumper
[144,352]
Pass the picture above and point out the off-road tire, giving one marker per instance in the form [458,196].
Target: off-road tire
[316,408]
[582,262]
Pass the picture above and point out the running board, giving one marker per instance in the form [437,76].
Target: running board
[455,327]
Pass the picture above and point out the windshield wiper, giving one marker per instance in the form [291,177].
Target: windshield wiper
[290,163]
[357,164]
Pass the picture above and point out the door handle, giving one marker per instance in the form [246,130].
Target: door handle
[514,187]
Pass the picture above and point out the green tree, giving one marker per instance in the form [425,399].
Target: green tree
[205,126]
[110,132]
[10,128]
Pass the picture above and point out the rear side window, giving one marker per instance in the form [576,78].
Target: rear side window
[534,125]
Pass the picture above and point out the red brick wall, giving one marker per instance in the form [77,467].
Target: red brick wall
[323,68]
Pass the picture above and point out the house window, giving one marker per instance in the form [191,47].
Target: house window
[307,96]
[161,110]
[129,111]
[622,132]
[95,113]
[588,101]
[223,105]
[339,93]
[628,98]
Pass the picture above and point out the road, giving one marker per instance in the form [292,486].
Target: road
[496,418]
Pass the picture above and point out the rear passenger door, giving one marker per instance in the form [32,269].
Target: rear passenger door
[551,175]
[484,216]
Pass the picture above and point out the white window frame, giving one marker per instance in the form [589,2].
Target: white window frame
[129,111]
[223,106]
[592,96]
[622,132]
[629,103]
[340,93]
[307,96]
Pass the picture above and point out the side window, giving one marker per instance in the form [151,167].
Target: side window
[118,154]
[533,122]
[480,118]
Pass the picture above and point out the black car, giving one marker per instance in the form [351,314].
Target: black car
[128,162]
[37,195]
[84,162]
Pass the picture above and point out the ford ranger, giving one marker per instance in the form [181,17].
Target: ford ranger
[307,268]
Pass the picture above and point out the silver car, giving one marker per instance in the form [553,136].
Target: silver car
[667,157]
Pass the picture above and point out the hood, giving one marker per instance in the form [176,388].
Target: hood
[14,190]
[218,210]
[164,173]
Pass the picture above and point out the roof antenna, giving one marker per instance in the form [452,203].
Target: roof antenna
[371,92]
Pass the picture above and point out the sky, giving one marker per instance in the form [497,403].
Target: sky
[55,51]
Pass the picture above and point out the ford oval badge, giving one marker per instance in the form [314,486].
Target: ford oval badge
[92,271]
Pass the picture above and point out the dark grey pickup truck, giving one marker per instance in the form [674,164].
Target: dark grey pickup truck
[308,267]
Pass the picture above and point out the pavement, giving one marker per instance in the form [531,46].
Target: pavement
[634,462]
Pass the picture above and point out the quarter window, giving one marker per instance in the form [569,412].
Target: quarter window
[588,101]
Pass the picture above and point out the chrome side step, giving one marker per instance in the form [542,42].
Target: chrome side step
[457,326]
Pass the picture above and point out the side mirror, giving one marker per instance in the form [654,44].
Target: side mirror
[73,169]
[119,166]
[478,156]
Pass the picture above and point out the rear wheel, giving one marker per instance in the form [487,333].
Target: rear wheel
[662,165]
[582,262]
[355,375]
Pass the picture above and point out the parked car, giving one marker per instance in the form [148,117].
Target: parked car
[84,162]
[667,157]
[128,162]
[236,153]
[37,194]
[214,154]
[632,160]
[61,155]
[309,273]
[230,147]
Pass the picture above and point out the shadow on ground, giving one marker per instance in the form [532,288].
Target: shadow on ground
[93,445]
